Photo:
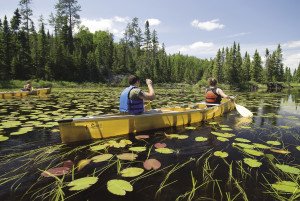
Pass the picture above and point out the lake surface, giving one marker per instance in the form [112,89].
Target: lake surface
[270,143]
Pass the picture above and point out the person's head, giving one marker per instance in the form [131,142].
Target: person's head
[28,82]
[212,82]
[133,80]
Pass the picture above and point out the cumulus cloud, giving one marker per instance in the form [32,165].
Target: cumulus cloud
[153,22]
[292,44]
[115,25]
[208,25]
[292,60]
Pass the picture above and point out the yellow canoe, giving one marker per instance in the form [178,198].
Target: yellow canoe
[79,129]
[18,94]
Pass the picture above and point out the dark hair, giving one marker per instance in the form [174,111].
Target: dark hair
[132,79]
[212,81]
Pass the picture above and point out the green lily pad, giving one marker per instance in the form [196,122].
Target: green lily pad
[82,183]
[127,156]
[119,187]
[253,152]
[3,138]
[227,135]
[221,154]
[261,146]
[137,149]
[212,123]
[275,143]
[131,172]
[245,127]
[180,137]
[223,126]
[222,139]
[101,158]
[298,148]
[164,150]
[252,162]
[226,129]
[288,169]
[286,186]
[98,147]
[201,139]
[22,131]
[243,145]
[190,128]
[242,140]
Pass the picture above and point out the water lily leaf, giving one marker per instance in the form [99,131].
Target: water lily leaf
[164,150]
[261,146]
[286,186]
[131,172]
[22,131]
[140,137]
[160,145]
[180,137]
[127,156]
[119,187]
[227,135]
[288,169]
[252,162]
[99,147]
[151,164]
[221,154]
[190,128]
[3,138]
[285,127]
[245,127]
[201,139]
[68,164]
[253,152]
[298,148]
[82,183]
[223,126]
[137,149]
[58,171]
[101,158]
[271,157]
[280,151]
[212,123]
[242,140]
[82,163]
[222,139]
[275,143]
[226,129]
[243,145]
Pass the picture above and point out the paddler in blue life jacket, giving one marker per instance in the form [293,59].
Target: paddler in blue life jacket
[213,94]
[132,98]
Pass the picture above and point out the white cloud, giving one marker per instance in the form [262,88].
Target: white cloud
[153,22]
[292,61]
[292,44]
[208,25]
[115,25]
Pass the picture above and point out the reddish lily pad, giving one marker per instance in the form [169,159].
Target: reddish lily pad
[160,145]
[68,164]
[58,171]
[152,164]
[141,137]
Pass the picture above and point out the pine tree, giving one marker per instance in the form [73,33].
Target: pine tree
[26,13]
[217,71]
[256,68]
[7,53]
[246,68]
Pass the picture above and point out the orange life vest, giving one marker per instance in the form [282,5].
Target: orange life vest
[211,96]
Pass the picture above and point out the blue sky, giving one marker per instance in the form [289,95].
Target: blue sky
[194,27]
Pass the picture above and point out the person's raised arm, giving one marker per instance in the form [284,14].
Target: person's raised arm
[149,95]
[223,94]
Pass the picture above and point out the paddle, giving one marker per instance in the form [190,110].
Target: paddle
[243,111]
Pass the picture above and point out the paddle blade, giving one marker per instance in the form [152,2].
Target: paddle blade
[243,111]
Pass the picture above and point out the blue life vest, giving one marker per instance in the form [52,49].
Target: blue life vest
[128,105]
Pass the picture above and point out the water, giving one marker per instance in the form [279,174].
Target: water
[191,172]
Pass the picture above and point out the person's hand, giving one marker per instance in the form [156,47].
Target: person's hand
[148,82]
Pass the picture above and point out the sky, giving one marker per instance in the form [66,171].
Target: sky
[193,27]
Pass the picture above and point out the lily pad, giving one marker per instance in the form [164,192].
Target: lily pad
[298,148]
[252,162]
[286,186]
[82,163]
[227,135]
[58,171]
[222,139]
[164,150]
[221,154]
[253,152]
[261,146]
[119,187]
[137,149]
[190,128]
[127,156]
[82,183]
[98,147]
[242,140]
[140,137]
[213,123]
[280,151]
[275,143]
[101,158]
[3,138]
[245,127]
[152,164]
[201,139]
[180,137]
[243,145]
[288,169]
[131,172]
[160,145]
[226,129]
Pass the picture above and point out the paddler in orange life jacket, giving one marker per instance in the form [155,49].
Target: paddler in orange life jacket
[132,98]
[213,94]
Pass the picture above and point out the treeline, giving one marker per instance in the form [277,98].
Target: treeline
[30,52]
